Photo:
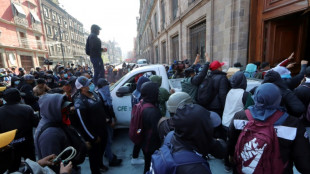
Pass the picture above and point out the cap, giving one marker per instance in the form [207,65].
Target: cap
[189,71]
[28,77]
[2,70]
[82,82]
[63,83]
[21,69]
[237,65]
[102,82]
[215,65]
[7,137]
[12,95]
[178,99]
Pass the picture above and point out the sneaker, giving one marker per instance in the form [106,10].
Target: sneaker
[227,169]
[137,161]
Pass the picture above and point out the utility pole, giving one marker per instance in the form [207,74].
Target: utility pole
[62,49]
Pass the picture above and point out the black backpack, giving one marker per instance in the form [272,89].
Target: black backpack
[76,140]
[205,91]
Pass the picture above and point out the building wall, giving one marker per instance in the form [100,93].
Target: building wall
[12,46]
[226,29]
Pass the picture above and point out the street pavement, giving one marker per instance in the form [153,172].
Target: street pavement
[122,147]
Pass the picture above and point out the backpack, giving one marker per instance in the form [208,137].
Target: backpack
[164,161]
[257,149]
[135,129]
[76,140]
[205,91]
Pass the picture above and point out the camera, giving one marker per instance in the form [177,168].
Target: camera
[47,62]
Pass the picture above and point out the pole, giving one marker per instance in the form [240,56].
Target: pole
[62,49]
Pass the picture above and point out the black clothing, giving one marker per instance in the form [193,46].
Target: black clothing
[30,98]
[293,82]
[93,46]
[303,93]
[220,88]
[296,149]
[22,118]
[293,105]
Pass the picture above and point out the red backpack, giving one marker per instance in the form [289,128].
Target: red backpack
[257,149]
[135,130]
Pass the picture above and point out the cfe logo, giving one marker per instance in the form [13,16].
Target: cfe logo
[124,108]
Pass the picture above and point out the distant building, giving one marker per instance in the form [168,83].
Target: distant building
[22,40]
[63,31]
[114,52]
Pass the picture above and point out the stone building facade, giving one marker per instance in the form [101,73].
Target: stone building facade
[22,40]
[63,32]
[171,30]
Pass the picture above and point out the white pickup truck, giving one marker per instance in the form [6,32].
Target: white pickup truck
[121,91]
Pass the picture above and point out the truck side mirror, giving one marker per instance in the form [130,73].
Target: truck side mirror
[122,91]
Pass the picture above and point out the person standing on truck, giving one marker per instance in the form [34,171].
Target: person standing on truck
[192,81]
[94,50]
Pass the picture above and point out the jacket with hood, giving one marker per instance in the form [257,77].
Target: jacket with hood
[190,84]
[289,100]
[150,118]
[92,117]
[250,70]
[163,94]
[93,46]
[293,141]
[136,95]
[52,140]
[197,138]
[236,98]
[220,89]
[303,93]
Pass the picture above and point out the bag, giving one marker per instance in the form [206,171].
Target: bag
[257,149]
[205,92]
[166,162]
[135,129]
[76,140]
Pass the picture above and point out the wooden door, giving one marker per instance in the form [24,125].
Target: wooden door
[284,36]
[27,62]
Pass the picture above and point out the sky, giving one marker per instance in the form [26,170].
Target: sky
[117,18]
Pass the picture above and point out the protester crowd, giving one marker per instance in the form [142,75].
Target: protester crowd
[264,130]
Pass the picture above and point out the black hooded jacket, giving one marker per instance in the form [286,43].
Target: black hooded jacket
[303,93]
[221,87]
[194,132]
[293,82]
[93,46]
[239,81]
[291,102]
[150,116]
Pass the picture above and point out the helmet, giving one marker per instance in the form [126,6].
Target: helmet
[177,99]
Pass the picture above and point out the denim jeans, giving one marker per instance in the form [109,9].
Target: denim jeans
[98,69]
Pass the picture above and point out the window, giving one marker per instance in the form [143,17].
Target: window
[163,46]
[55,32]
[23,39]
[59,20]
[52,49]
[175,48]
[39,44]
[163,15]
[155,21]
[72,36]
[156,55]
[174,8]
[35,18]
[54,16]
[197,44]
[49,30]
[18,10]
[45,11]
[67,36]
[12,59]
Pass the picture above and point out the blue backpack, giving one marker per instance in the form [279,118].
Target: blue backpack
[166,162]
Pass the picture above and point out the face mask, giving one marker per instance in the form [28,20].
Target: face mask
[16,82]
[91,87]
[66,76]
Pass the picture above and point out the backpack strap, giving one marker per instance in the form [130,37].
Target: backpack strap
[274,118]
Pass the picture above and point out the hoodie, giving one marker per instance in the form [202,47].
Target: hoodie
[93,46]
[163,94]
[289,100]
[250,70]
[136,95]
[53,140]
[236,98]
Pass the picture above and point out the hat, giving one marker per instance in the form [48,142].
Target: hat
[102,82]
[7,137]
[237,65]
[178,99]
[189,71]
[28,77]
[215,65]
[12,95]
[61,72]
[82,82]
[63,83]
[21,69]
